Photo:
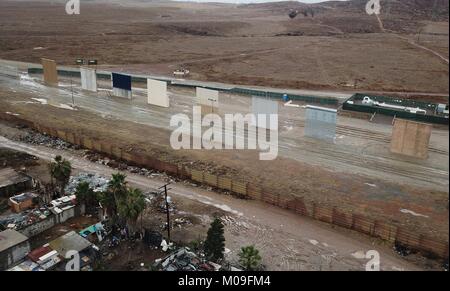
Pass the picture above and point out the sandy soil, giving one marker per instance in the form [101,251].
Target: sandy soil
[256,44]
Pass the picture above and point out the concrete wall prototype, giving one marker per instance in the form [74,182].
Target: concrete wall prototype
[88,79]
[157,93]
[207,97]
[320,123]
[411,138]
[266,107]
[50,72]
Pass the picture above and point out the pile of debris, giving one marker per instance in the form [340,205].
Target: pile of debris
[180,222]
[150,173]
[21,220]
[119,165]
[96,182]
[185,260]
[37,138]
[158,201]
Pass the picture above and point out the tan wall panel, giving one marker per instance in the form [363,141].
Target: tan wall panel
[50,71]
[411,138]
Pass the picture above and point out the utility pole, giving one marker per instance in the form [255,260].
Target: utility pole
[71,87]
[167,209]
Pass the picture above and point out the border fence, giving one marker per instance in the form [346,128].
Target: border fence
[301,205]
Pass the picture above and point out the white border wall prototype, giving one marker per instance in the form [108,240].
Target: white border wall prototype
[88,79]
[207,97]
[157,93]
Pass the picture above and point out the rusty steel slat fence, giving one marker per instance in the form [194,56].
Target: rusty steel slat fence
[239,187]
[210,179]
[299,205]
[224,183]
[197,175]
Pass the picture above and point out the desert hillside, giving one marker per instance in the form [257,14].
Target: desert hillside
[332,45]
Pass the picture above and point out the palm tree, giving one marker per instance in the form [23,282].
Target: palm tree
[131,207]
[249,258]
[116,191]
[108,202]
[117,186]
[60,170]
[86,195]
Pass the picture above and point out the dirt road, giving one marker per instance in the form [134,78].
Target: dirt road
[286,241]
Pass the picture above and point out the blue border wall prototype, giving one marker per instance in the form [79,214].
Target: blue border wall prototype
[121,81]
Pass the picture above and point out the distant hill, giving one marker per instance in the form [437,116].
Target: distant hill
[418,9]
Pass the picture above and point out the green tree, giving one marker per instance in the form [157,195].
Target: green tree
[85,194]
[60,170]
[108,203]
[117,186]
[249,258]
[116,191]
[215,241]
[131,206]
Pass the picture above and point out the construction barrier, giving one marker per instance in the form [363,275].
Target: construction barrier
[299,205]
[351,105]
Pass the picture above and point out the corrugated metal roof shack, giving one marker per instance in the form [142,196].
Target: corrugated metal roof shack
[14,246]
[12,182]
